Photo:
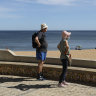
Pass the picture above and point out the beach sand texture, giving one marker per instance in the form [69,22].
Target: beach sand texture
[89,54]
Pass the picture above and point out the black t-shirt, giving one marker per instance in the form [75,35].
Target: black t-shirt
[43,42]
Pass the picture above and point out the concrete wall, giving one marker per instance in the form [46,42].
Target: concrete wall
[52,70]
[8,55]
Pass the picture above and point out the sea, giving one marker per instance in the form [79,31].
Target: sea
[22,40]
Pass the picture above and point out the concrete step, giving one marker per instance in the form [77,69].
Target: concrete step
[52,72]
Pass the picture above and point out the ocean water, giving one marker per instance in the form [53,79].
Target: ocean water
[22,40]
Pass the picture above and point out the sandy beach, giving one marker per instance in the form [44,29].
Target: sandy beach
[89,54]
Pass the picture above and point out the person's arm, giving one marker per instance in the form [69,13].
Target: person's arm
[58,46]
[37,41]
[67,47]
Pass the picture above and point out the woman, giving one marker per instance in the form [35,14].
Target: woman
[64,49]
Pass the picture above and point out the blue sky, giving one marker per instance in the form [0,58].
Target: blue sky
[57,14]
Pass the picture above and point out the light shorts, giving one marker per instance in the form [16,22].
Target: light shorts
[41,56]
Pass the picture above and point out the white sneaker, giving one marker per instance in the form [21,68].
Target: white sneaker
[61,85]
[65,83]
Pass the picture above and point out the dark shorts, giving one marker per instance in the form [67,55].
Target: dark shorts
[41,56]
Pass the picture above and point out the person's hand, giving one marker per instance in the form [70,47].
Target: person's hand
[70,56]
[39,45]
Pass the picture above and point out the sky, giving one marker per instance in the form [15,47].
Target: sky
[57,14]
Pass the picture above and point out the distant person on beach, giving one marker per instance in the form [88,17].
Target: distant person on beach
[64,49]
[41,50]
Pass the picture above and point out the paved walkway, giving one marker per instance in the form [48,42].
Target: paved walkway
[26,86]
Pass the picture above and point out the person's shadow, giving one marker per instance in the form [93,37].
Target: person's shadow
[10,79]
[25,87]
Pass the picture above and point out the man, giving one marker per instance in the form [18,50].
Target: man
[41,50]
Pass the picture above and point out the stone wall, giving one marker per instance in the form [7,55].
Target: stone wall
[11,64]
[74,74]
[8,55]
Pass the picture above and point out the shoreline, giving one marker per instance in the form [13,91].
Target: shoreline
[79,54]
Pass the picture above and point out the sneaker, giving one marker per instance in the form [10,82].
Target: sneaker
[41,78]
[65,83]
[61,85]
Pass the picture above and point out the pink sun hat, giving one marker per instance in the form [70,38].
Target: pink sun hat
[66,34]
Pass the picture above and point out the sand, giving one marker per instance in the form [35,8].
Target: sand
[89,54]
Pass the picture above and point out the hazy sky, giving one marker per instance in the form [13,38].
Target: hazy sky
[57,14]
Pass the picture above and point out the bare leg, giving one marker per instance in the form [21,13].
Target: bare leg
[40,66]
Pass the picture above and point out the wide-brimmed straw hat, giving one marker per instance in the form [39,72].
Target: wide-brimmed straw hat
[43,26]
[66,34]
